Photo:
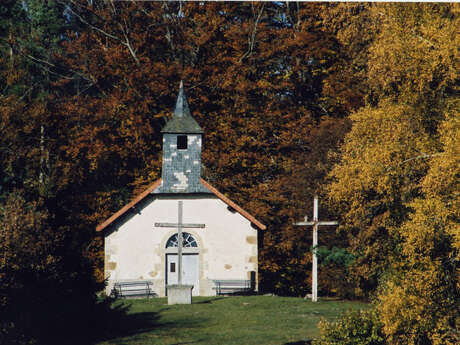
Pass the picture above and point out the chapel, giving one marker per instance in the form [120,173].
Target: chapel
[224,247]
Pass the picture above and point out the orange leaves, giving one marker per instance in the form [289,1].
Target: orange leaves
[254,75]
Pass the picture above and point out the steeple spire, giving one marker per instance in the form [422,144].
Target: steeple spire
[182,109]
[182,120]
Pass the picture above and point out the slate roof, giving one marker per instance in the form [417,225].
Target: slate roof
[150,189]
[182,120]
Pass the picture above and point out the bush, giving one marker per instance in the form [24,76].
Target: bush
[47,287]
[352,328]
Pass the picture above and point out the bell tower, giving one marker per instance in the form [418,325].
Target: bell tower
[182,142]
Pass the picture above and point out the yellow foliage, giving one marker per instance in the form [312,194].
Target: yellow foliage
[380,140]
[398,182]
[415,53]
[375,176]
[421,301]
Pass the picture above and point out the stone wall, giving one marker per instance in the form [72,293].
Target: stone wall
[227,246]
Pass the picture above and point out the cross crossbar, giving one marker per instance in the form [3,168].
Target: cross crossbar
[319,223]
[175,225]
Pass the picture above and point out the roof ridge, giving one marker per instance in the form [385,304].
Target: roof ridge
[156,184]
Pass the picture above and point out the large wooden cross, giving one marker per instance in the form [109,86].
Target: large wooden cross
[179,225]
[315,223]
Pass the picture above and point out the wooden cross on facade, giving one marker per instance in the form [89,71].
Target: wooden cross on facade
[179,225]
[315,223]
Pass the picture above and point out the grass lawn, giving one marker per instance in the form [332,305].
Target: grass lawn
[225,320]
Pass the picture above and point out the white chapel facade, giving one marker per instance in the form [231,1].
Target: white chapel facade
[226,248]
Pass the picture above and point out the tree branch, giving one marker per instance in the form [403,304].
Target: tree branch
[94,27]
[124,29]
[252,38]
[40,63]
[125,42]
[26,93]
[422,157]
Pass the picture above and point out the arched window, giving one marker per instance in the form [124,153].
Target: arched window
[187,241]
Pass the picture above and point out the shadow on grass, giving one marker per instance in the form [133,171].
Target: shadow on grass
[118,322]
[240,293]
[300,342]
[208,301]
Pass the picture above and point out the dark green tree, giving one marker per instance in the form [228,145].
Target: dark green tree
[47,284]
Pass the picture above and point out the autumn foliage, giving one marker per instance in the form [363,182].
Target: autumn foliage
[355,102]
[397,182]
[254,76]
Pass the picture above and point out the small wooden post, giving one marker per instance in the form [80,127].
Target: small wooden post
[315,245]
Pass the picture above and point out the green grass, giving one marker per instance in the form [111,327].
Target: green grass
[225,320]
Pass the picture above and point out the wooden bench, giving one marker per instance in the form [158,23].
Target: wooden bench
[226,287]
[140,288]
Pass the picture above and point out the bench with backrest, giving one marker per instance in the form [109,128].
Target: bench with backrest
[139,288]
[233,286]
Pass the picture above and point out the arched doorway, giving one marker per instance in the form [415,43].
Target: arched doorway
[190,262]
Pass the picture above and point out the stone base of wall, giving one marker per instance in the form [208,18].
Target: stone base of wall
[179,294]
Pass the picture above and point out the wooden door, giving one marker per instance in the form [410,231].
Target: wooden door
[190,271]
